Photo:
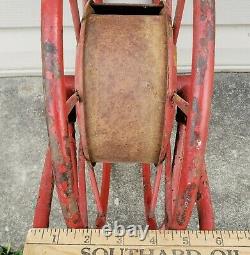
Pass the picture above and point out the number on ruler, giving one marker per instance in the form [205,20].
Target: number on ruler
[86,239]
[54,239]
[219,240]
[152,240]
[185,240]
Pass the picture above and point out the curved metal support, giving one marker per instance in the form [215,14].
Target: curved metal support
[198,114]
[171,85]
[55,100]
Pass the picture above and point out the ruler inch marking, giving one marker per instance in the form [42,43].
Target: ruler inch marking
[156,238]
[42,233]
[222,240]
[58,237]
[205,235]
[189,239]
[245,234]
[237,236]
[90,237]
[196,234]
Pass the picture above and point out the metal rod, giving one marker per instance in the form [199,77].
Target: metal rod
[146,174]
[168,187]
[177,160]
[75,17]
[181,103]
[204,203]
[155,190]
[45,194]
[177,19]
[72,141]
[95,190]
[82,200]
[101,219]
[71,102]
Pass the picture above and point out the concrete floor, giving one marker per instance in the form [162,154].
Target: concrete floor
[23,142]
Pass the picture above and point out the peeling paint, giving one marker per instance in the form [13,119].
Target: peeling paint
[184,203]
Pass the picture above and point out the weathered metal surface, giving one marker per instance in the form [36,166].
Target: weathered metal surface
[55,100]
[171,83]
[125,66]
[200,92]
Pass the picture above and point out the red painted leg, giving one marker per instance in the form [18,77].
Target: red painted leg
[43,206]
[104,196]
[148,195]
[204,203]
[83,206]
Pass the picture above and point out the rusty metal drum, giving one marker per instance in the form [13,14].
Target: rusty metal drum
[124,82]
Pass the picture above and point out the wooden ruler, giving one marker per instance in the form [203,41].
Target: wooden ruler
[168,242]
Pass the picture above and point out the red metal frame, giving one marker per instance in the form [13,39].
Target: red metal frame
[186,182]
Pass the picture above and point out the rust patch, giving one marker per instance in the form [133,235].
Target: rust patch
[201,67]
[125,92]
[195,137]
[64,177]
[210,33]
[49,48]
[207,17]
[50,59]
[199,196]
[185,203]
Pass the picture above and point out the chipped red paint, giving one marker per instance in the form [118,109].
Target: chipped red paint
[198,115]
[187,96]
[55,100]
